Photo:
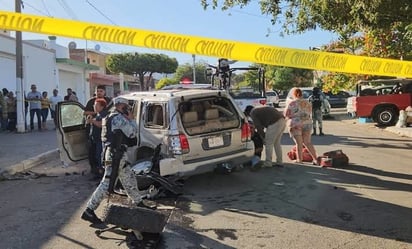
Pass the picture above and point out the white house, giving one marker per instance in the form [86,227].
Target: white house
[45,64]
[39,65]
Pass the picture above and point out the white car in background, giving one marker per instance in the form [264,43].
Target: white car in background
[272,98]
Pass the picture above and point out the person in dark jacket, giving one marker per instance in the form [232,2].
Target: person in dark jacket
[90,112]
[95,134]
[274,122]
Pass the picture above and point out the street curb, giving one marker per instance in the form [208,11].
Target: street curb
[405,132]
[29,163]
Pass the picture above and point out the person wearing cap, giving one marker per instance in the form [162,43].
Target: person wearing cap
[90,113]
[34,98]
[119,131]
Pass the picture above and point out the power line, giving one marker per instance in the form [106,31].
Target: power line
[109,19]
[36,9]
[67,9]
[101,13]
[45,7]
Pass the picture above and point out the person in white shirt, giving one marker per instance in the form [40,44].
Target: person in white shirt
[34,98]
[53,104]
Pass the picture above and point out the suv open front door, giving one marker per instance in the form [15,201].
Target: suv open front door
[71,132]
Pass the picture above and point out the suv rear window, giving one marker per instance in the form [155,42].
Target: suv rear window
[208,115]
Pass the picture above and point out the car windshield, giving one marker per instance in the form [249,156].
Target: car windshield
[208,115]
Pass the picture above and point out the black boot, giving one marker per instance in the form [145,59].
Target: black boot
[314,132]
[320,132]
[90,216]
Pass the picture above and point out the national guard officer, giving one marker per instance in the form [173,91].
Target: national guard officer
[119,131]
[316,99]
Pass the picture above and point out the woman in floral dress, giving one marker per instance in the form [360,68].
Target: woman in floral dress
[299,123]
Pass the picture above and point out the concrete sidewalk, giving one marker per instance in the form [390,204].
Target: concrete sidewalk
[22,151]
[404,132]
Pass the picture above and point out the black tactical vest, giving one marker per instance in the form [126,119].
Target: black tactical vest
[107,133]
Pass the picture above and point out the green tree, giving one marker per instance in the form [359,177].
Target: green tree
[297,16]
[333,82]
[390,43]
[287,77]
[141,65]
[186,71]
[165,82]
[373,28]
[280,78]
[237,78]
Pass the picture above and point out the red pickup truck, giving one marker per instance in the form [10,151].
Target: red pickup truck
[381,100]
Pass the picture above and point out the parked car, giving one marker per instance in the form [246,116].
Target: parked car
[381,100]
[306,93]
[272,98]
[338,99]
[200,130]
[247,96]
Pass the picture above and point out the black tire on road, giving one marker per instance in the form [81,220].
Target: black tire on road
[386,116]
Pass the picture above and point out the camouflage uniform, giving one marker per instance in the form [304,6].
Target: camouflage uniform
[317,105]
[317,116]
[126,176]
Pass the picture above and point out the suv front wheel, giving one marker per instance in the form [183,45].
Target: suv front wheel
[386,116]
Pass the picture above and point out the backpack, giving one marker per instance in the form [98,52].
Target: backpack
[335,158]
[305,153]
[316,101]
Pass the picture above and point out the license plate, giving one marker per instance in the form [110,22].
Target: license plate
[215,141]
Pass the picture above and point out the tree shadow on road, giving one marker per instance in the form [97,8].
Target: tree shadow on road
[379,172]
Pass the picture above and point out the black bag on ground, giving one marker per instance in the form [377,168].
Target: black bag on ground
[334,158]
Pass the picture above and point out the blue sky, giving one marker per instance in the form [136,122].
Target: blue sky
[178,16]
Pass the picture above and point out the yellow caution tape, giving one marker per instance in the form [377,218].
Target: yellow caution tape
[242,51]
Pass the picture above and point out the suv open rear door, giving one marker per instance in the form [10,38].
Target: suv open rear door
[71,132]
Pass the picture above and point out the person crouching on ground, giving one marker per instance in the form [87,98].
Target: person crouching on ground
[119,131]
[299,122]
[274,122]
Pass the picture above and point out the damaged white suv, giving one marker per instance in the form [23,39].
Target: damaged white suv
[200,130]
